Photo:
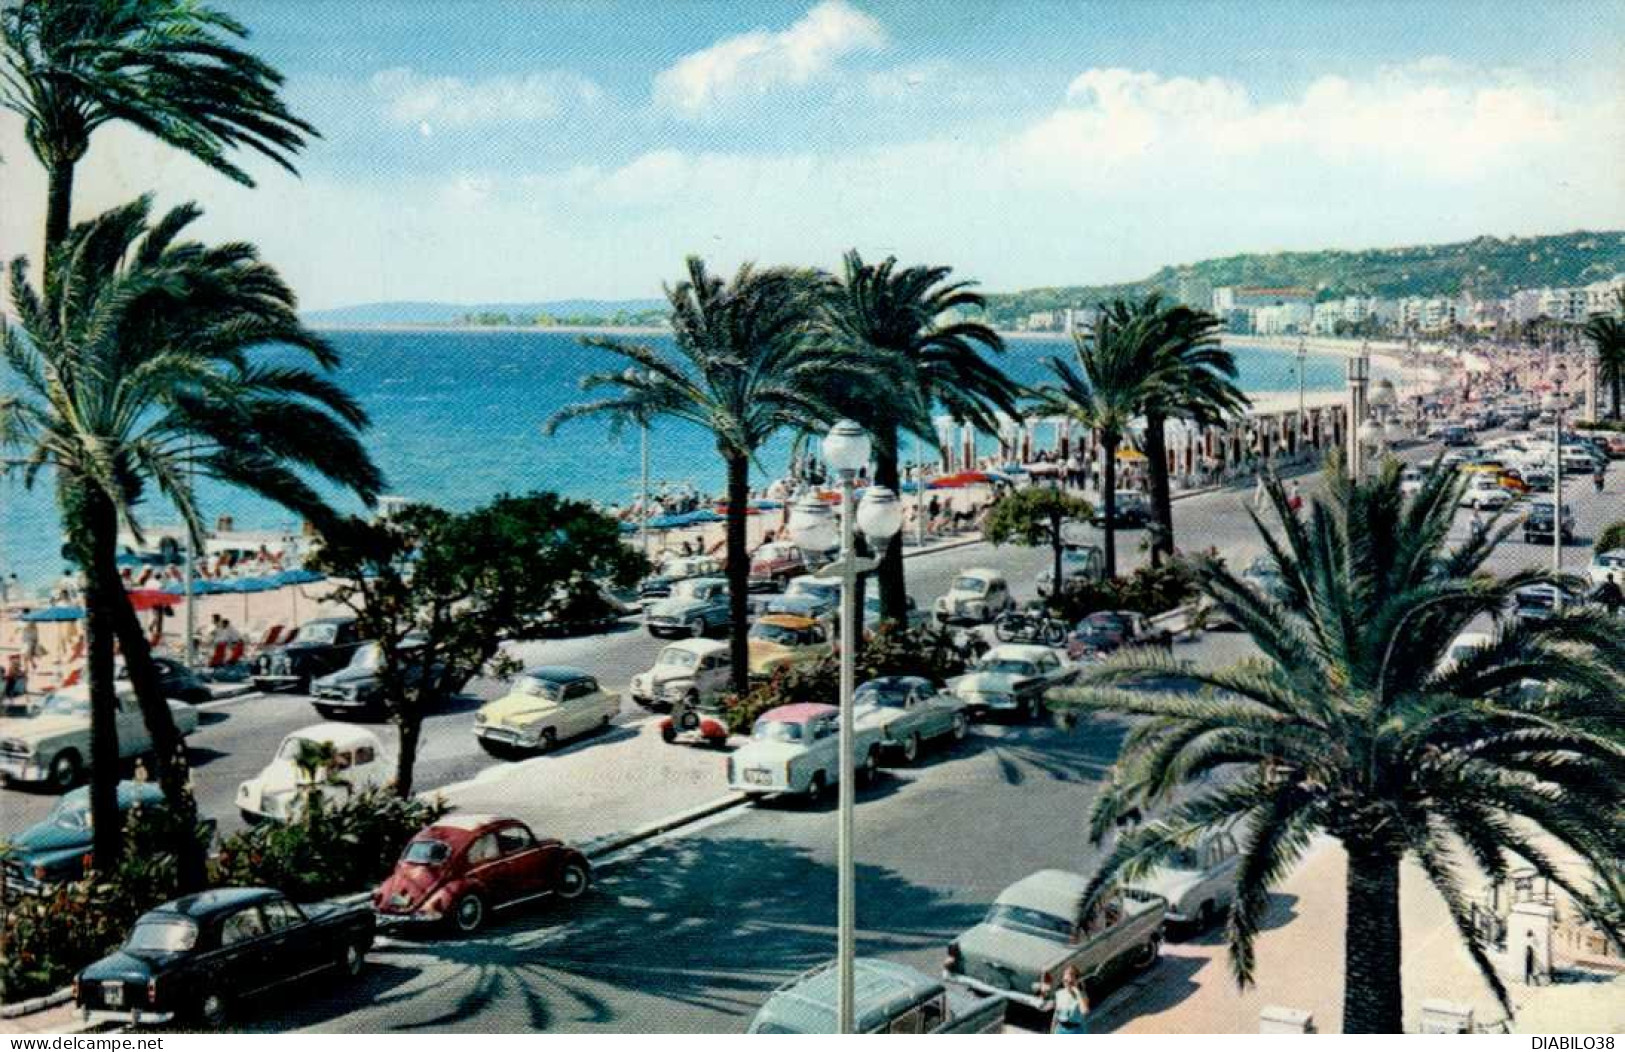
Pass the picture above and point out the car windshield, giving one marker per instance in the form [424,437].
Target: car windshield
[170,935]
[1031,921]
[772,633]
[776,731]
[291,746]
[1611,561]
[1184,858]
[533,687]
[1462,651]
[1008,666]
[319,632]
[974,585]
[891,696]
[814,589]
[66,705]
[677,657]
[369,658]
[72,814]
[426,852]
[1535,599]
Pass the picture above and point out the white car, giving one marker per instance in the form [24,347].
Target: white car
[1609,563]
[796,749]
[1484,492]
[1462,647]
[1198,881]
[1410,481]
[1012,678]
[692,670]
[977,595]
[280,791]
[53,744]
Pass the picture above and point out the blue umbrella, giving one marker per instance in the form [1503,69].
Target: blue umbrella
[298,575]
[55,613]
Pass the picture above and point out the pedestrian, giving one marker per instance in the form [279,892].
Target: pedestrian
[1071,1005]
[1609,595]
[1261,493]
[1296,500]
[1599,477]
[32,651]
[1531,966]
[16,680]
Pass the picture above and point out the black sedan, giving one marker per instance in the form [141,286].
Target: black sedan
[178,681]
[198,957]
[318,647]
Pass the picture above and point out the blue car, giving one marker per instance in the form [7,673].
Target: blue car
[58,849]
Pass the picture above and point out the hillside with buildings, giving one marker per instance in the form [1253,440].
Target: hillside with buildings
[1481,284]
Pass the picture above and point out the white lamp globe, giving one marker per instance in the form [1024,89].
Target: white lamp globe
[813,526]
[1370,433]
[880,514]
[846,447]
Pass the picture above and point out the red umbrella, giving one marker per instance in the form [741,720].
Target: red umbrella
[147,598]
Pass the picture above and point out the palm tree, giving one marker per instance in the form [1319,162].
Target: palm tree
[1607,334]
[743,368]
[895,316]
[1117,368]
[1354,722]
[132,372]
[168,67]
[1197,385]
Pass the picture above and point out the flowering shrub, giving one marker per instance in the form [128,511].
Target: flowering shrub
[329,849]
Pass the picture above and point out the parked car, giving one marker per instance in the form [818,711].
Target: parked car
[280,791]
[773,565]
[1037,927]
[1540,521]
[871,611]
[463,868]
[977,596]
[818,597]
[356,691]
[692,669]
[1198,881]
[200,957]
[1012,678]
[1411,480]
[1105,631]
[679,569]
[910,710]
[1264,577]
[1462,648]
[60,847]
[695,607]
[1456,437]
[1484,492]
[795,749]
[1608,564]
[315,649]
[53,744]
[1537,602]
[178,682]
[545,706]
[1130,509]
[779,641]
[1080,564]
[888,998]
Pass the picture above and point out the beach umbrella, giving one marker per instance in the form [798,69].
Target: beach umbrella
[1130,455]
[55,613]
[147,598]
[298,575]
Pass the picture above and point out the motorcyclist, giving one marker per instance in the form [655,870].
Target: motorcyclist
[1599,476]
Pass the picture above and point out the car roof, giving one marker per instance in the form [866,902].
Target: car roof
[894,681]
[880,991]
[701,647]
[556,673]
[800,712]
[129,793]
[207,905]
[1053,891]
[340,734]
[787,621]
[1023,651]
[695,581]
[1612,553]
[334,620]
[981,571]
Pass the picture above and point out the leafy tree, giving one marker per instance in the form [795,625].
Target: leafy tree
[171,68]
[1607,334]
[1117,369]
[1610,537]
[1034,516]
[743,369]
[895,318]
[132,371]
[1353,723]
[439,592]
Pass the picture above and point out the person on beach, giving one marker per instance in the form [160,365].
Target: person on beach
[1261,493]
[1295,501]
[32,651]
[1071,1005]
[16,680]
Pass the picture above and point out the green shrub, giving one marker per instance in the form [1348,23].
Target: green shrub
[1148,590]
[330,849]
[1610,537]
[1599,425]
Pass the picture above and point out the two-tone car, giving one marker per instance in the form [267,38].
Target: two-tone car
[784,641]
[888,998]
[909,711]
[356,691]
[199,958]
[355,761]
[61,846]
[1038,927]
[815,597]
[795,749]
[681,568]
[1012,678]
[544,706]
[977,596]
[687,671]
[695,607]
[1198,881]
[316,648]
[775,564]
[464,868]
[52,745]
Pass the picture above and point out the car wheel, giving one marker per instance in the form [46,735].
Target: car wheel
[1206,914]
[960,728]
[1148,953]
[573,881]
[668,734]
[911,748]
[869,769]
[66,770]
[213,1009]
[1033,710]
[496,749]
[550,740]
[696,627]
[469,913]
[815,787]
[353,960]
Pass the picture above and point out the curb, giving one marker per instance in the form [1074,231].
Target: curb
[598,849]
[36,1004]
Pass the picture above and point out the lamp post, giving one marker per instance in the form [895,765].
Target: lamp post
[1555,401]
[879,515]
[1359,376]
[1303,359]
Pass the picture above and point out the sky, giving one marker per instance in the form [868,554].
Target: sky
[480,151]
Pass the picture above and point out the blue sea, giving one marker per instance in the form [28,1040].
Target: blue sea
[457,418]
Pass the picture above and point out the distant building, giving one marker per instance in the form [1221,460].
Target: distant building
[1523,305]
[1327,316]
[1224,301]
[1602,297]
[1563,304]
[1282,319]
[1193,291]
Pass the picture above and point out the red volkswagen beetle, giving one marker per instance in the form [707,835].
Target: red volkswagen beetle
[464,867]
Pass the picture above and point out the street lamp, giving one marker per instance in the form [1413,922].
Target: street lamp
[879,515]
[1554,402]
[1359,376]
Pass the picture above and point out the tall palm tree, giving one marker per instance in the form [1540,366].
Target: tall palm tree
[743,368]
[1607,335]
[1117,369]
[1197,384]
[895,316]
[133,373]
[1354,722]
[169,67]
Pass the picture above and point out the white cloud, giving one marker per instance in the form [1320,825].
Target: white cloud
[409,97]
[752,64]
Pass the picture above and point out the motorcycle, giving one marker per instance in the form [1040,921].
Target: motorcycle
[1020,626]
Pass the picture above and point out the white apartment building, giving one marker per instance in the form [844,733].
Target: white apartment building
[1602,296]
[1326,317]
[1224,301]
[1563,304]
[1283,319]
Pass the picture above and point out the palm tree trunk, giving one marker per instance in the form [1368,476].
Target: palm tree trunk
[1618,386]
[92,537]
[893,583]
[58,206]
[1057,582]
[1108,500]
[738,570]
[1162,500]
[1373,1002]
